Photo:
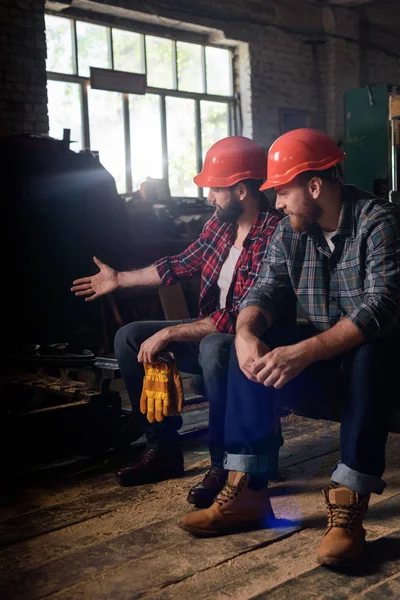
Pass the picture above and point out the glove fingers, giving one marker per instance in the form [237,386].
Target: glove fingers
[150,409]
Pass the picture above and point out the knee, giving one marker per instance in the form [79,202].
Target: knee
[214,351]
[127,338]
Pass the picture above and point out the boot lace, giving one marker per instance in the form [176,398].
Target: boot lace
[228,492]
[345,516]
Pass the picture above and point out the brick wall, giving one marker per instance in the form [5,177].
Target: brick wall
[23,96]
[277,67]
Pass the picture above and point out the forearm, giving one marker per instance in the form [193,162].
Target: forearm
[147,277]
[191,332]
[341,338]
[253,321]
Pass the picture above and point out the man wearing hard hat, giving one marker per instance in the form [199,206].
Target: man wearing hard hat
[338,252]
[228,256]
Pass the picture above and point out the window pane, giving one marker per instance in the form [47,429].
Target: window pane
[181,138]
[214,123]
[159,56]
[59,44]
[145,129]
[64,106]
[107,133]
[219,71]
[93,47]
[127,48]
[190,75]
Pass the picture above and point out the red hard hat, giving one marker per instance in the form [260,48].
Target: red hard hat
[231,160]
[298,151]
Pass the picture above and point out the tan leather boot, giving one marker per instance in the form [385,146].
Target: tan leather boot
[344,539]
[235,508]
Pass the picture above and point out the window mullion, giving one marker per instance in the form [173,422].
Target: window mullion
[75,48]
[199,150]
[204,68]
[85,115]
[164,142]
[110,48]
[175,76]
[127,138]
[144,55]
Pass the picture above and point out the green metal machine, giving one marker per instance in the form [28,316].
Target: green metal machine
[372,139]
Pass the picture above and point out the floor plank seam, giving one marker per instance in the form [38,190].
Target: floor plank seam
[375,586]
[222,562]
[37,535]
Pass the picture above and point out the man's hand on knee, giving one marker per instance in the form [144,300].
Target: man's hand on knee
[153,346]
[249,349]
[281,365]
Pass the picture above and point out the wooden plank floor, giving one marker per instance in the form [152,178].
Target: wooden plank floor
[72,535]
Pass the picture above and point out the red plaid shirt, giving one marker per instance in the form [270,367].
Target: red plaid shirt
[206,257]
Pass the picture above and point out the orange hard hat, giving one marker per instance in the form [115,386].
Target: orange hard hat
[231,160]
[298,151]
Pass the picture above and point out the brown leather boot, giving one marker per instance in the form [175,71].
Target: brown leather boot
[236,507]
[203,494]
[156,463]
[344,539]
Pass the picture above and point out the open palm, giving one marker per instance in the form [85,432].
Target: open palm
[104,282]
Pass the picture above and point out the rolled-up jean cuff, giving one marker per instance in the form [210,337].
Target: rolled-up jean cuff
[253,463]
[358,482]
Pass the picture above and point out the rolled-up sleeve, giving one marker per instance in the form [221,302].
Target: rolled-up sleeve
[224,320]
[187,264]
[273,283]
[379,311]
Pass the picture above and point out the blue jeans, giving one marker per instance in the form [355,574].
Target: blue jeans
[365,378]
[209,357]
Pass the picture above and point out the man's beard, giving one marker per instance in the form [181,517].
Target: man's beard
[302,221]
[231,212]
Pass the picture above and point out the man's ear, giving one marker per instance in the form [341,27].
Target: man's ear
[242,191]
[315,187]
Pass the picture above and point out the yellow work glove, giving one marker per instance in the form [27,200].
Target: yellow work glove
[162,393]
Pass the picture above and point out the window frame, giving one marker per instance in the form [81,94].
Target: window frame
[84,82]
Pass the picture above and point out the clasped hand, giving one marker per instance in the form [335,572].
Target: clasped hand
[269,367]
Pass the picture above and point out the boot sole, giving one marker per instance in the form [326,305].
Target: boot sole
[197,532]
[337,563]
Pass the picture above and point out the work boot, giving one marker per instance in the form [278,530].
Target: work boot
[344,539]
[236,507]
[156,463]
[202,494]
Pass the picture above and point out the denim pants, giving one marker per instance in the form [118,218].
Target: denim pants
[209,357]
[364,377]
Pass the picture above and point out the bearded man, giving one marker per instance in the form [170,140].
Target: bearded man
[338,253]
[227,256]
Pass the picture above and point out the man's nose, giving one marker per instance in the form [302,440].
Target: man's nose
[210,197]
[279,204]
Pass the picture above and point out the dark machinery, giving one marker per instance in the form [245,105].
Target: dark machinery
[59,210]
[372,139]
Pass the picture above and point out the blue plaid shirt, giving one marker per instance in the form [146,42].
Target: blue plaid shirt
[359,280]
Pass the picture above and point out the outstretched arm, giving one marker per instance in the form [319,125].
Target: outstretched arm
[108,280]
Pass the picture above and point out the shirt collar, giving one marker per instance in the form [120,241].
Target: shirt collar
[258,226]
[346,225]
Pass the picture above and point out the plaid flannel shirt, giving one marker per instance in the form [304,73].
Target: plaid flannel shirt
[359,280]
[207,255]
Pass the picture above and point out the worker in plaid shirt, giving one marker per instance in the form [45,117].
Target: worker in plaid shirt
[338,253]
[227,256]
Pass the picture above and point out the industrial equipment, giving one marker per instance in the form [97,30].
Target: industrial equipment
[372,139]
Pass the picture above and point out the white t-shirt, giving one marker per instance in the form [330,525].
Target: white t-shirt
[226,274]
[328,235]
